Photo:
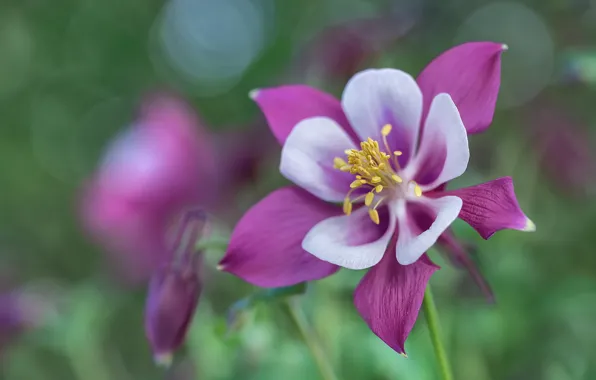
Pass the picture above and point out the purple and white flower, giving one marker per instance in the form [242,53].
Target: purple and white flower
[385,152]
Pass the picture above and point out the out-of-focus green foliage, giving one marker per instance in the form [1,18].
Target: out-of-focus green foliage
[71,73]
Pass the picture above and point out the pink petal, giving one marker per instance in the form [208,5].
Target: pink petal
[307,158]
[461,257]
[351,241]
[374,98]
[471,74]
[491,207]
[390,295]
[265,248]
[443,153]
[286,106]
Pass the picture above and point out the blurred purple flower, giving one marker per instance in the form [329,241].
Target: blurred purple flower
[166,162]
[564,148]
[338,52]
[174,292]
[161,165]
[294,235]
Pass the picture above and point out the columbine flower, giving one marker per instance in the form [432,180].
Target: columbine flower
[385,153]
[150,174]
[174,292]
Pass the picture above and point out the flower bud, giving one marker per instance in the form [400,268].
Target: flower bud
[174,293]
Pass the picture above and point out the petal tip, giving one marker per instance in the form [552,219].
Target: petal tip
[530,226]
[221,267]
[504,47]
[404,260]
[253,94]
[403,354]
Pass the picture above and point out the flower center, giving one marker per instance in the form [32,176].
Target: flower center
[376,171]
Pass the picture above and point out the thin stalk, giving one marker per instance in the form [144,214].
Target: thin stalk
[311,339]
[434,328]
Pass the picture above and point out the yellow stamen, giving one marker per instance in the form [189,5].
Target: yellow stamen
[398,153]
[417,189]
[339,163]
[369,198]
[357,183]
[386,130]
[375,167]
[374,216]
[347,206]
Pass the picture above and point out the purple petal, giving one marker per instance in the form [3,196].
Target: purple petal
[266,245]
[286,106]
[390,295]
[471,74]
[492,206]
[460,257]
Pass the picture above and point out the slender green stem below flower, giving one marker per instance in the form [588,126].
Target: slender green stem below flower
[311,339]
[434,328]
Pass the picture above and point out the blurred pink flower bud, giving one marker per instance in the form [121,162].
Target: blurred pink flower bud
[174,292]
[160,166]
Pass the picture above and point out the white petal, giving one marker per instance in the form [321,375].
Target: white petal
[329,240]
[410,243]
[444,146]
[373,98]
[307,158]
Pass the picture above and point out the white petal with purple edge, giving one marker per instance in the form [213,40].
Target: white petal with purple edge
[444,131]
[307,158]
[329,240]
[411,245]
[373,98]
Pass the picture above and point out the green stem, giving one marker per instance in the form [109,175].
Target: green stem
[311,340]
[434,328]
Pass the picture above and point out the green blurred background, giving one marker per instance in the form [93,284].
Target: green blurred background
[71,75]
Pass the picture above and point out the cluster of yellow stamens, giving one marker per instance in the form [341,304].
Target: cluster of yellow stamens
[373,168]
